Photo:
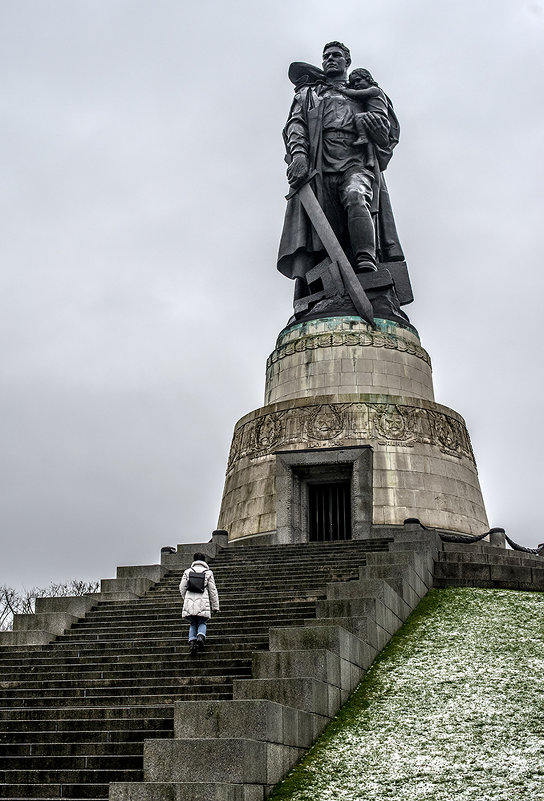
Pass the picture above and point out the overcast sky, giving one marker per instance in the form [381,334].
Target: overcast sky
[142,198]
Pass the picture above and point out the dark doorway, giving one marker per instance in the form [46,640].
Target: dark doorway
[329,511]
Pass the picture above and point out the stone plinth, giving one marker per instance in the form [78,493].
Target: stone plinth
[337,390]
[343,356]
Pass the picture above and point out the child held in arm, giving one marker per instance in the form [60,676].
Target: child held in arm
[363,88]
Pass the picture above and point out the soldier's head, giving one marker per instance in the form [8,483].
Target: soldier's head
[361,79]
[336,59]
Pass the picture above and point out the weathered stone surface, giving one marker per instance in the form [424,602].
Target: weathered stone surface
[509,573]
[304,693]
[329,637]
[537,577]
[29,637]
[371,588]
[421,562]
[342,355]
[371,608]
[184,552]
[137,585]
[185,791]
[364,628]
[319,664]
[53,622]
[76,605]
[252,719]
[402,578]
[214,760]
[487,569]
[152,572]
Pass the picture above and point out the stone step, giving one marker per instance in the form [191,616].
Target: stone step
[116,685]
[312,580]
[163,659]
[111,716]
[274,561]
[158,639]
[39,723]
[65,648]
[269,566]
[64,760]
[73,693]
[154,639]
[263,565]
[289,572]
[264,561]
[96,650]
[292,549]
[45,792]
[62,783]
[188,791]
[142,624]
[229,605]
[170,608]
[140,672]
[79,737]
[172,618]
[191,694]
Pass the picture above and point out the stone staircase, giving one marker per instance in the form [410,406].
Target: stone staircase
[237,749]
[114,707]
[74,712]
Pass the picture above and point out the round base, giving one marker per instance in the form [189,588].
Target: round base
[343,356]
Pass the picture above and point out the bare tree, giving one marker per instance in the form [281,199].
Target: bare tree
[10,604]
[13,602]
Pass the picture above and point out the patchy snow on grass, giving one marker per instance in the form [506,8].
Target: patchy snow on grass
[452,709]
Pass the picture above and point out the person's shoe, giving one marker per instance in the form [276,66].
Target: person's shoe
[200,640]
[193,648]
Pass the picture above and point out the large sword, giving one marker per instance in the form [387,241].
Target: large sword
[334,249]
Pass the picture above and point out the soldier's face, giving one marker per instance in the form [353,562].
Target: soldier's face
[334,61]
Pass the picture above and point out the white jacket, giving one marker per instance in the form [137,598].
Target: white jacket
[199,603]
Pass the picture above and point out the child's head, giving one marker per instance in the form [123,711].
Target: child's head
[361,79]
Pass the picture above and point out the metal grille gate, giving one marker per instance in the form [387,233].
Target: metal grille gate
[329,511]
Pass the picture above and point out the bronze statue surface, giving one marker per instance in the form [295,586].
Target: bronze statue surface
[339,139]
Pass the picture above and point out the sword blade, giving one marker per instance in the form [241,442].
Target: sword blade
[336,252]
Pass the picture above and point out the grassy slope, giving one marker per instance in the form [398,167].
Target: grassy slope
[453,708]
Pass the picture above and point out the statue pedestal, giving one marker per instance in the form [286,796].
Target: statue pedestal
[346,404]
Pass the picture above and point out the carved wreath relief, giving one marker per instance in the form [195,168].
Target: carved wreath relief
[340,424]
[376,339]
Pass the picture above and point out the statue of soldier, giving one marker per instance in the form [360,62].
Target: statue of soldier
[321,141]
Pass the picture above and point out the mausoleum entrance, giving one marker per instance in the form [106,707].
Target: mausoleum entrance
[323,495]
[329,511]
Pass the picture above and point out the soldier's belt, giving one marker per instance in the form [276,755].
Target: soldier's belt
[339,135]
